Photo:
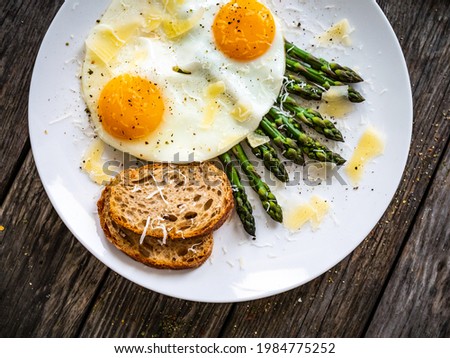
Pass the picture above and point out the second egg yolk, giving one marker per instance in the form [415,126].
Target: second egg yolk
[130,107]
[244,29]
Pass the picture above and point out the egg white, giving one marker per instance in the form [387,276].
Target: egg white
[188,132]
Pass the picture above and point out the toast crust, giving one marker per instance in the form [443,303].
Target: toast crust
[171,202]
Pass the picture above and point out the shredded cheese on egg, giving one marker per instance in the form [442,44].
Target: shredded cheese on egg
[212,93]
[175,27]
[171,6]
[105,41]
[241,112]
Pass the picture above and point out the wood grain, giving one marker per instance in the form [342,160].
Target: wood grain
[124,309]
[48,279]
[21,34]
[416,302]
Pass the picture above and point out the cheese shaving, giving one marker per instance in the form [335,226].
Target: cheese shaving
[144,232]
[241,112]
[335,102]
[105,41]
[171,6]
[165,234]
[159,226]
[60,119]
[212,93]
[93,164]
[314,211]
[152,21]
[192,248]
[339,33]
[335,93]
[174,27]
[255,140]
[180,232]
[151,195]
[159,190]
[369,146]
[136,189]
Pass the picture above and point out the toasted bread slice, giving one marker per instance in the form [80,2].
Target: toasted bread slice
[173,254]
[171,202]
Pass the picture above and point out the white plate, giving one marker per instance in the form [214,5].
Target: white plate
[240,269]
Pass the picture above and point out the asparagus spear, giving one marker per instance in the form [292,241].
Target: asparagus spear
[312,119]
[304,89]
[268,200]
[289,147]
[312,148]
[332,69]
[319,78]
[243,207]
[270,159]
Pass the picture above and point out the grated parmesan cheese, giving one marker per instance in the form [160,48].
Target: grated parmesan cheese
[159,190]
[144,232]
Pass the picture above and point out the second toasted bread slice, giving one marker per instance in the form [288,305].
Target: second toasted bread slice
[171,202]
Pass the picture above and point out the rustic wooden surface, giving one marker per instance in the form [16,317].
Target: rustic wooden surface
[395,284]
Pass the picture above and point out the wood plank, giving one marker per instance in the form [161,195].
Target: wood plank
[21,34]
[340,303]
[403,21]
[48,279]
[124,309]
[417,298]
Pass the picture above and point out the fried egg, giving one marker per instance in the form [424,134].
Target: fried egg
[180,81]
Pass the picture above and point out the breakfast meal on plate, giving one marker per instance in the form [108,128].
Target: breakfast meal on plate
[167,78]
[180,83]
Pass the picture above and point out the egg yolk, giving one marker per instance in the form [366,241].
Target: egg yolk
[244,30]
[130,107]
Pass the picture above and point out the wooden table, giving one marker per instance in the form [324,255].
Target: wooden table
[395,284]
